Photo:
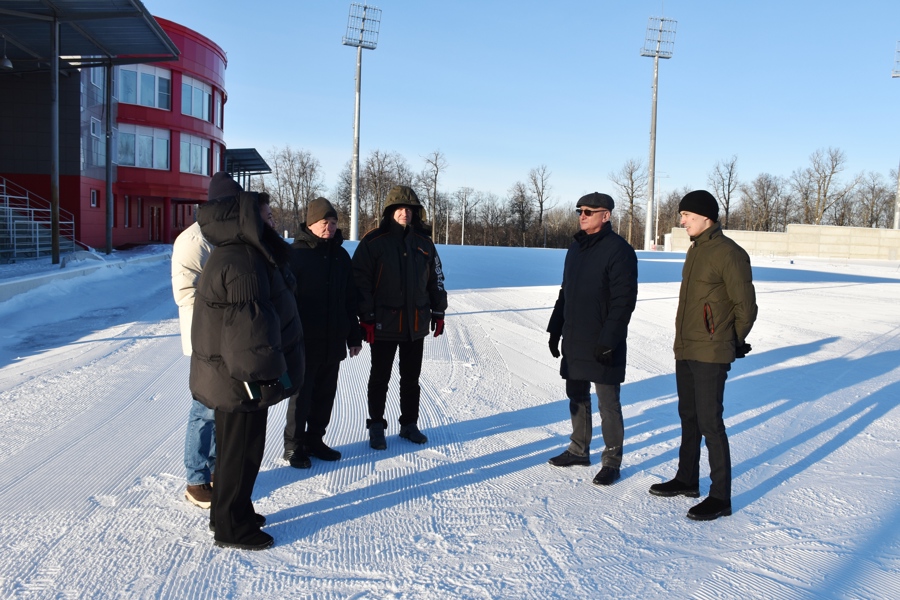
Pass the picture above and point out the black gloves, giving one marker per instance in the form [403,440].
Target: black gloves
[554,345]
[742,350]
[604,355]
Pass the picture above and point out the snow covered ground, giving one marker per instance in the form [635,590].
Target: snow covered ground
[93,403]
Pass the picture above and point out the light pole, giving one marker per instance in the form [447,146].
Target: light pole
[659,43]
[362,32]
[896,73]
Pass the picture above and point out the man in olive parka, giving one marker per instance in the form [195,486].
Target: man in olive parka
[716,310]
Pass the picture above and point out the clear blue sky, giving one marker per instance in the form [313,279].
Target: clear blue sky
[501,87]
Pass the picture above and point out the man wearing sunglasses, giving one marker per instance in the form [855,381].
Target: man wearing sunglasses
[591,315]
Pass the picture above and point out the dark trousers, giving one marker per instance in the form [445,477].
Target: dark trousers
[240,442]
[701,394]
[612,425]
[309,410]
[380,376]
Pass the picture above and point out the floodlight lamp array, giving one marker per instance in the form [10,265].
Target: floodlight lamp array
[660,40]
[362,26]
[896,71]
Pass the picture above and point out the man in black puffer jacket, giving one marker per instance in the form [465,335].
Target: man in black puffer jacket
[326,299]
[401,289]
[247,353]
[598,295]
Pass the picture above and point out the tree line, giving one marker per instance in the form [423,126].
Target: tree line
[529,215]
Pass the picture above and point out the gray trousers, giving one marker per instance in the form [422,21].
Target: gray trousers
[612,426]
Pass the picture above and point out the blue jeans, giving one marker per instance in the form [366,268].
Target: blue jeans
[200,444]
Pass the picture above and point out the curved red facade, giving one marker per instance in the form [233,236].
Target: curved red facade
[167,140]
[166,197]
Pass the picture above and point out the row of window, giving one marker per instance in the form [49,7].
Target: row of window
[148,148]
[151,86]
[181,213]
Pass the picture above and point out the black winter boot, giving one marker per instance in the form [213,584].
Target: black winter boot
[376,436]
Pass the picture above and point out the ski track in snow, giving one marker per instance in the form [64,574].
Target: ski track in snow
[93,408]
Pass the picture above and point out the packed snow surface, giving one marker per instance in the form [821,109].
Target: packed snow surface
[94,399]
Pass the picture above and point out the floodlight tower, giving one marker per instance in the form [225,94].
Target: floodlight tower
[659,43]
[362,32]
[896,73]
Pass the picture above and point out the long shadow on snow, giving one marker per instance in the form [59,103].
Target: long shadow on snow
[741,395]
[801,385]
[446,476]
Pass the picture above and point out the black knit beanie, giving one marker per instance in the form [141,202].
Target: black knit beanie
[223,186]
[319,209]
[702,203]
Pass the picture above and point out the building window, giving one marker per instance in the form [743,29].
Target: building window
[97,76]
[194,155]
[127,211]
[93,198]
[196,98]
[218,114]
[145,85]
[145,147]
[140,212]
[96,130]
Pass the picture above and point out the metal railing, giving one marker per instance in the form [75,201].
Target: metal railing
[26,222]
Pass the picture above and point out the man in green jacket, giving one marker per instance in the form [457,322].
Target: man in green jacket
[716,309]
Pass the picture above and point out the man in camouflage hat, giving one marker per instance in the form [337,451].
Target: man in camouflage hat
[402,297]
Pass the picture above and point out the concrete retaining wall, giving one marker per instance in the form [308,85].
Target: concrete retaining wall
[808,240]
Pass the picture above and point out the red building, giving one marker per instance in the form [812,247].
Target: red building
[167,140]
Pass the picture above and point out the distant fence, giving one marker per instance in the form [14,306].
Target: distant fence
[821,241]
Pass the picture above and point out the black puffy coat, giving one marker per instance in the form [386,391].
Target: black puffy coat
[598,295]
[326,296]
[245,327]
[400,280]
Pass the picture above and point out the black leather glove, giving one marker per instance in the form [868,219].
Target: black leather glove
[742,350]
[603,354]
[271,392]
[554,345]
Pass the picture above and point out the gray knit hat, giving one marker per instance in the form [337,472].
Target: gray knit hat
[319,209]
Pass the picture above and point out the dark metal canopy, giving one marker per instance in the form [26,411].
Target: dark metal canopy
[91,33]
[245,161]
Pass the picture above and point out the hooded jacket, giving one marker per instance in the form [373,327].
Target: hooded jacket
[326,295]
[597,297]
[717,300]
[400,280]
[246,327]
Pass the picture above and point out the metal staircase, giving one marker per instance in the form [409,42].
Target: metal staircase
[25,225]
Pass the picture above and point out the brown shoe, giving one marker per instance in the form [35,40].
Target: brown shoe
[199,495]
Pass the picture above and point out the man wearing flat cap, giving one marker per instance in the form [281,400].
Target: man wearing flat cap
[591,315]
[716,309]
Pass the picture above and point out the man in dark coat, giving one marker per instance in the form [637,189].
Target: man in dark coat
[401,288]
[327,302]
[247,353]
[716,310]
[598,295]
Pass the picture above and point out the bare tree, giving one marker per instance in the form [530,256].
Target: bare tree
[760,201]
[724,181]
[631,183]
[435,163]
[823,171]
[874,201]
[295,181]
[521,209]
[539,187]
